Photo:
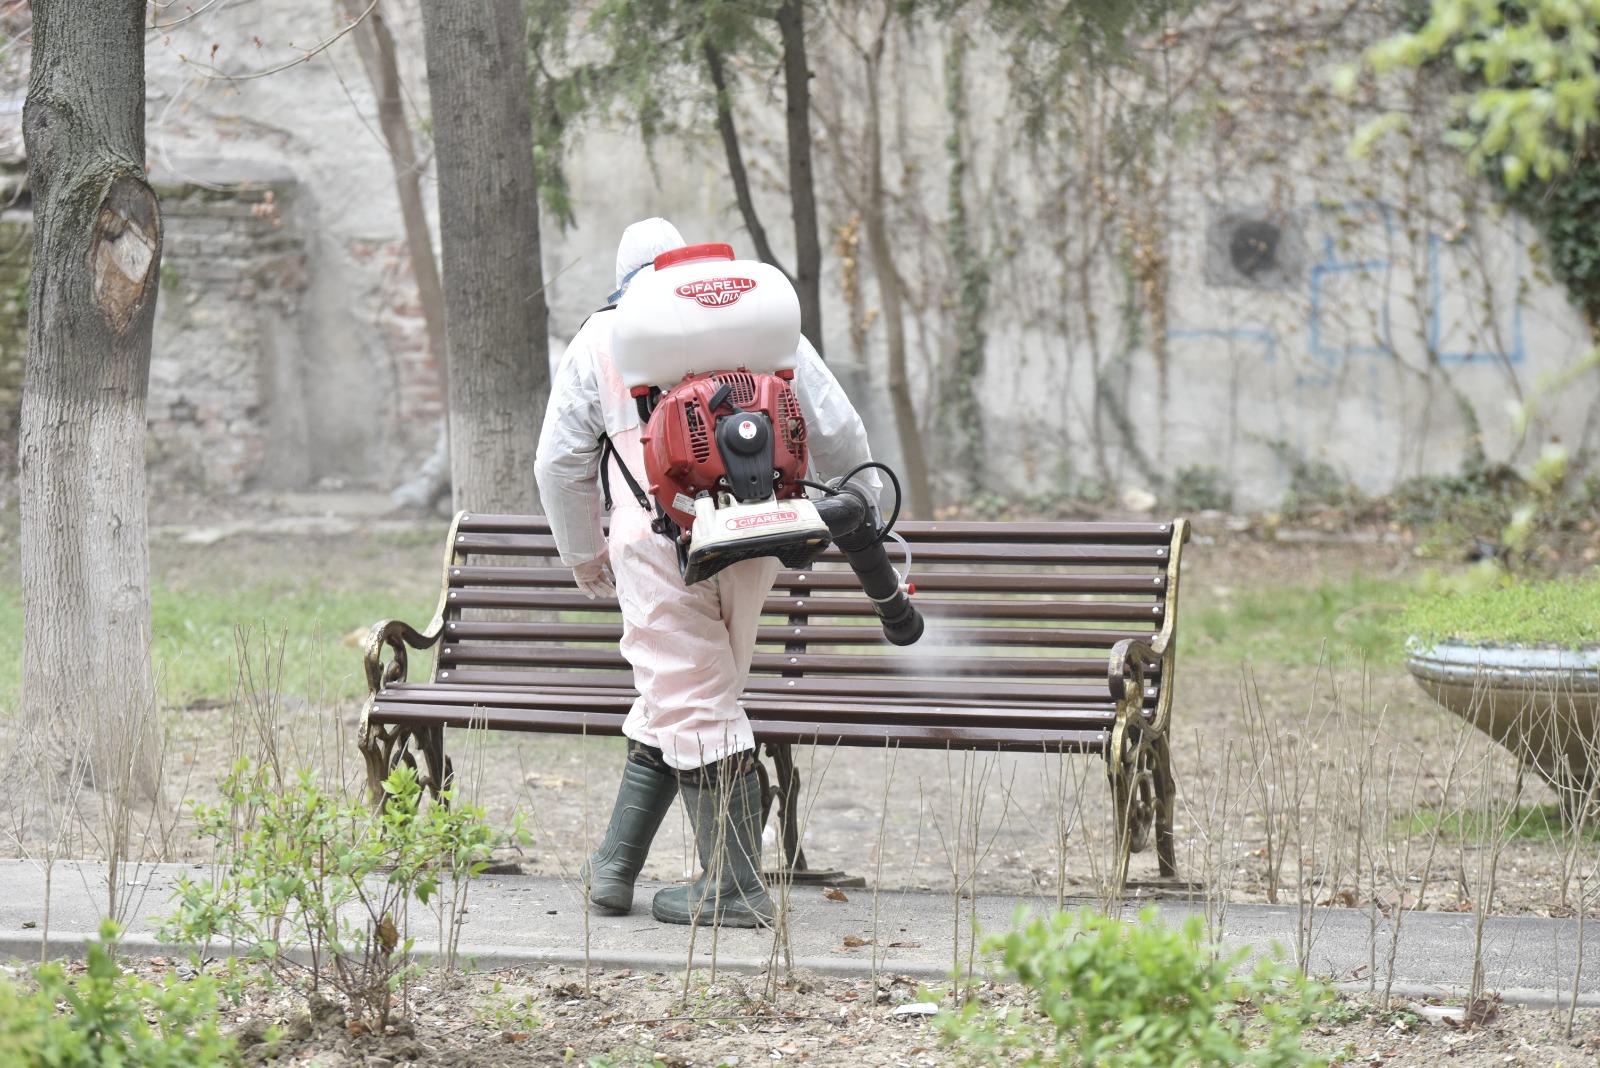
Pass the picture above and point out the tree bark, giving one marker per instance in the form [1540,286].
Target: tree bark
[802,185]
[919,492]
[375,44]
[496,320]
[96,273]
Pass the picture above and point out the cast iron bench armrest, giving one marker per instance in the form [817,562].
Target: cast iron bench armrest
[396,635]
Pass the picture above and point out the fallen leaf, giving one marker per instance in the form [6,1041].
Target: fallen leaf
[833,893]
[550,782]
[388,934]
[28,925]
[853,942]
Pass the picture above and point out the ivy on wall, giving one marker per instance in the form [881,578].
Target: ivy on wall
[1566,212]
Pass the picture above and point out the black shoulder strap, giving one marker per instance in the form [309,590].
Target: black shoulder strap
[608,452]
[591,315]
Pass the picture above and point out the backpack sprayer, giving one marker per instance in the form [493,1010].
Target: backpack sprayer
[707,346]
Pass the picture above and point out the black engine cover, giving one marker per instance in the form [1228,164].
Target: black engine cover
[745,441]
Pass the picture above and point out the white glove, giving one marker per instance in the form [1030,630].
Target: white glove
[595,578]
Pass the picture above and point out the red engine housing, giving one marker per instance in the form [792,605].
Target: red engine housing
[681,458]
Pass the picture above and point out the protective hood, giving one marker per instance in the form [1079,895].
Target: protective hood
[641,243]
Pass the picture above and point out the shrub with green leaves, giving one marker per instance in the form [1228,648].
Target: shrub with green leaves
[106,1018]
[304,867]
[1135,995]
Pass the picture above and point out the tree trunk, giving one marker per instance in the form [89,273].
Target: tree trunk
[802,186]
[96,272]
[496,321]
[376,45]
[919,493]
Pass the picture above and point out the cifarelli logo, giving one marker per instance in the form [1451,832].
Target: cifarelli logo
[745,522]
[716,292]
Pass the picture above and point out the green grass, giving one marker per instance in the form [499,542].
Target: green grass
[1288,624]
[1538,823]
[194,648]
[1563,611]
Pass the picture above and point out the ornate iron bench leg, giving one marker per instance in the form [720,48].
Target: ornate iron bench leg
[1166,798]
[1130,765]
[386,747]
[786,791]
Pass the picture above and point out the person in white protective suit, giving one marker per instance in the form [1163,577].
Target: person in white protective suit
[689,646]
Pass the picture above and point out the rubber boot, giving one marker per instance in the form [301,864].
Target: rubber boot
[729,891]
[646,792]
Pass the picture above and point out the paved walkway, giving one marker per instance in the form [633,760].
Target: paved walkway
[535,920]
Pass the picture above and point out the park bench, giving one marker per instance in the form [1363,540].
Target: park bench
[1044,637]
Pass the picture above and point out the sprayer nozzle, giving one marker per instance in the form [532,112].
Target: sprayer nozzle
[902,624]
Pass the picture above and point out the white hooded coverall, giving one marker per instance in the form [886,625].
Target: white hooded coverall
[689,646]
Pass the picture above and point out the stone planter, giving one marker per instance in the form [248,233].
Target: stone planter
[1542,702]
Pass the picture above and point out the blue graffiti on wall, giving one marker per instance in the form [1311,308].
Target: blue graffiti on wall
[1331,265]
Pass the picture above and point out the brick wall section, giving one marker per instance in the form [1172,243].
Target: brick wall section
[234,271]
[419,400]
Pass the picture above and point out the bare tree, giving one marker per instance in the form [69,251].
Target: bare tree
[496,320]
[875,218]
[375,44]
[96,271]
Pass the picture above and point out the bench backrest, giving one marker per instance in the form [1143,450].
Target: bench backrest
[1007,604]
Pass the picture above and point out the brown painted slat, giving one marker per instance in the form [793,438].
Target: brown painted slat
[863,633]
[1151,584]
[439,695]
[1040,610]
[1000,553]
[458,654]
[1148,585]
[844,605]
[771,707]
[518,688]
[909,735]
[927,530]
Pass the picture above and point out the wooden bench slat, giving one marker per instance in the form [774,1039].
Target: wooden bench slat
[575,715]
[526,688]
[924,530]
[1148,585]
[865,633]
[1009,553]
[458,654]
[798,732]
[620,682]
[772,708]
[825,605]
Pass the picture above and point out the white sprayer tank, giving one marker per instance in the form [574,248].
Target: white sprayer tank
[702,310]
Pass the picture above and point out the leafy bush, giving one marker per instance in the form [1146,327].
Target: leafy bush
[1108,993]
[103,1018]
[300,861]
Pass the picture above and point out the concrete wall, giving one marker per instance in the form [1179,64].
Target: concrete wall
[1189,275]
